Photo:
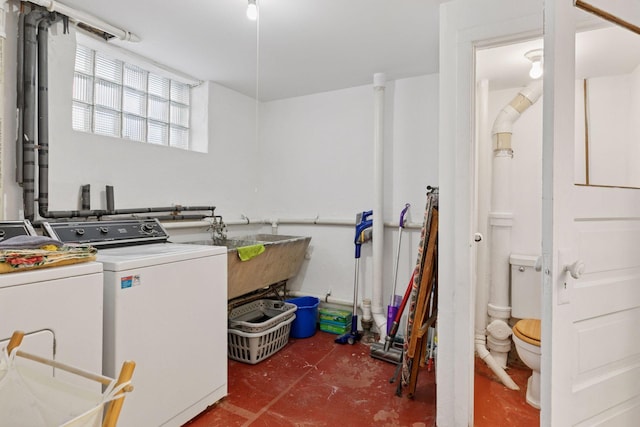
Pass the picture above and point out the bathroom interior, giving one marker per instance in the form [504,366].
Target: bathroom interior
[509,184]
[301,163]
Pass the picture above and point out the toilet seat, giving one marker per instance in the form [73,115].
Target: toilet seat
[528,330]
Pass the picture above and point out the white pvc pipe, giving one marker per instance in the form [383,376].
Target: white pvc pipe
[501,222]
[379,314]
[484,354]
[79,16]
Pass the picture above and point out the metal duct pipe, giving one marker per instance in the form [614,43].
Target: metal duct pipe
[31,21]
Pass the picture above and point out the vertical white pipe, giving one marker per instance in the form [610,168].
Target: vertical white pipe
[501,222]
[379,81]
[483,154]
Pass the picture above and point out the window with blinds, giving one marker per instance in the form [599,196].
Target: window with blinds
[113,98]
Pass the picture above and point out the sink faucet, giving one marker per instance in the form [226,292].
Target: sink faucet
[218,230]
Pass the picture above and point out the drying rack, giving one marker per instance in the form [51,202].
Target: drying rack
[108,403]
[423,307]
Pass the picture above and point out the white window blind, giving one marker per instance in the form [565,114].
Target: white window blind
[114,98]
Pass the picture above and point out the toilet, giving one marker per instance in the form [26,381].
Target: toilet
[526,294]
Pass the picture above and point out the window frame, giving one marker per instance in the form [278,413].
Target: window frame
[107,107]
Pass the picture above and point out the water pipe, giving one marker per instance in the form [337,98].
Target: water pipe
[377,309]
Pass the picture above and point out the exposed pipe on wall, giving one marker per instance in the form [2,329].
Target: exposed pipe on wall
[501,222]
[31,22]
[377,310]
[20,96]
[43,111]
[85,18]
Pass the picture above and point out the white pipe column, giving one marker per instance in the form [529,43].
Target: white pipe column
[379,315]
[482,276]
[501,222]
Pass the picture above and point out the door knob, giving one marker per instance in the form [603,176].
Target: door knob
[575,270]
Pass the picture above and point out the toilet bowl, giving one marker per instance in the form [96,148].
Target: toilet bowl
[526,337]
[526,295]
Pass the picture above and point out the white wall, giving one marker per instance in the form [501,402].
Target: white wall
[317,161]
[312,157]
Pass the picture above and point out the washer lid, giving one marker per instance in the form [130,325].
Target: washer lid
[528,330]
[140,256]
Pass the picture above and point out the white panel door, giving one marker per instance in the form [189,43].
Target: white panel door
[590,347]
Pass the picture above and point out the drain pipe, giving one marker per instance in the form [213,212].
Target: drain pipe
[20,96]
[43,114]
[28,146]
[501,222]
[482,288]
[379,316]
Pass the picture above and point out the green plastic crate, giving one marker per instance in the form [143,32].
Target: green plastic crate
[342,317]
[335,328]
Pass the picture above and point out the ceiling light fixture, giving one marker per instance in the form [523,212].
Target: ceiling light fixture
[535,56]
[252,10]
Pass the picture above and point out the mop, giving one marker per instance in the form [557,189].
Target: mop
[363,223]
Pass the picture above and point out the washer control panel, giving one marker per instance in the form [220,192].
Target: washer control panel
[9,229]
[108,233]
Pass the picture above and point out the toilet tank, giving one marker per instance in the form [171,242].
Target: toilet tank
[526,287]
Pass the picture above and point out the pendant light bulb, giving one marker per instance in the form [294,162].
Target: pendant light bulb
[536,70]
[252,10]
[535,56]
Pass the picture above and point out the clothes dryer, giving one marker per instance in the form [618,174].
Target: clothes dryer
[59,308]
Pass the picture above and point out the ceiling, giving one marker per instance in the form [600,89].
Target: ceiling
[297,47]
[602,50]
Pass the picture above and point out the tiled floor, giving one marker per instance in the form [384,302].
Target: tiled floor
[496,405]
[315,382]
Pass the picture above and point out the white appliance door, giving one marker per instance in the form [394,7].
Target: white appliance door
[171,320]
[590,347]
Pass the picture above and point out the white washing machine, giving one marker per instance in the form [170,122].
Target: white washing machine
[59,309]
[165,309]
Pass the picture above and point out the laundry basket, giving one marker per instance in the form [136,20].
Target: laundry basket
[33,397]
[254,347]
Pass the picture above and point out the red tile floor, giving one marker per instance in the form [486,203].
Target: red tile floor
[497,406]
[316,382]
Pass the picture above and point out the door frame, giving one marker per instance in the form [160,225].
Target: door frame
[464,25]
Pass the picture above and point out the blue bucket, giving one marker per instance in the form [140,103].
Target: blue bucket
[304,325]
